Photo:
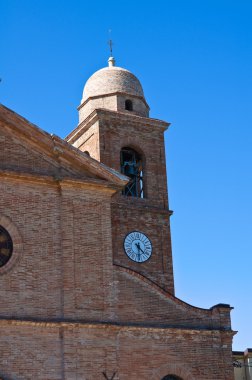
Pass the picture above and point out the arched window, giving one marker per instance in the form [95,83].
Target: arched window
[132,167]
[128,105]
[171,377]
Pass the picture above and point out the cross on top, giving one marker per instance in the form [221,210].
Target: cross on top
[111,47]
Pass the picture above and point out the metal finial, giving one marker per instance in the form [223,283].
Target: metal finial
[111,60]
[111,47]
[110,43]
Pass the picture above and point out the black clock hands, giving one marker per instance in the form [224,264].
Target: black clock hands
[138,254]
[139,247]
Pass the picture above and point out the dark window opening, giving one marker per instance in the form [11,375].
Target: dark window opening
[171,377]
[132,167]
[6,246]
[128,105]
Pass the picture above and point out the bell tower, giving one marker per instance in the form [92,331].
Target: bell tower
[115,129]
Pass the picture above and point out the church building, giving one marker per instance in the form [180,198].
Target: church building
[86,273]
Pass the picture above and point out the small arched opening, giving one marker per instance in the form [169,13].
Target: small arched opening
[171,377]
[132,167]
[6,246]
[128,105]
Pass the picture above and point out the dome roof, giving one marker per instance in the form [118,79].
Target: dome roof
[110,80]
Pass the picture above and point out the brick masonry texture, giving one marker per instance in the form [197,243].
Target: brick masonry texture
[104,138]
[109,88]
[114,102]
[72,305]
[35,351]
[112,79]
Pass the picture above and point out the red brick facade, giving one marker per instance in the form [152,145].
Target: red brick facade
[103,135]
[73,306]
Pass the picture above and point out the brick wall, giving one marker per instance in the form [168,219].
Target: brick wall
[56,351]
[71,305]
[104,139]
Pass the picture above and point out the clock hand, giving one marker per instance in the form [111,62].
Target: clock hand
[139,247]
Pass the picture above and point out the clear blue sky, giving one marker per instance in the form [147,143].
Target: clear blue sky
[194,60]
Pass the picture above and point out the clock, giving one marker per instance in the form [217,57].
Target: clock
[6,246]
[137,246]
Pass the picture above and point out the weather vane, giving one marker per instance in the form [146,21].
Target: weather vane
[110,43]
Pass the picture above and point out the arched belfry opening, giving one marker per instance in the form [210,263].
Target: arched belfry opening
[132,167]
[171,377]
[128,105]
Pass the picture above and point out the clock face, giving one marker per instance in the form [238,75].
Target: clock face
[137,246]
[6,246]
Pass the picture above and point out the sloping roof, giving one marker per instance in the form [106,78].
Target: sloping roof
[55,148]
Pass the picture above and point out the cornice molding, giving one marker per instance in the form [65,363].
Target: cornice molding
[59,150]
[41,179]
[119,117]
[117,327]
[112,94]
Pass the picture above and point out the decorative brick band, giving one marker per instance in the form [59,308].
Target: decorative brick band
[110,326]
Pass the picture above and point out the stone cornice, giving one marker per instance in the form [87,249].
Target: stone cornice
[119,118]
[122,116]
[41,179]
[112,94]
[59,151]
[141,204]
[95,167]
[117,327]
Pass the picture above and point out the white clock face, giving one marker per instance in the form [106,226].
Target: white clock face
[137,246]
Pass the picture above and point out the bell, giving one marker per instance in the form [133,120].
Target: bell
[130,170]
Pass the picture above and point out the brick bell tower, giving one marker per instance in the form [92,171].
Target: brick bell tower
[115,129]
